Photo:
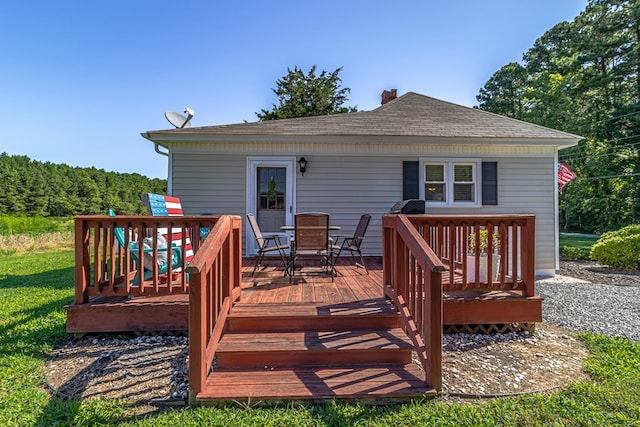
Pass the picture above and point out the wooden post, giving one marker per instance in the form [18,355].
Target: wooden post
[400,264]
[197,336]
[435,330]
[82,270]
[529,255]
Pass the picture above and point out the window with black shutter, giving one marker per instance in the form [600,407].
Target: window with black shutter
[450,182]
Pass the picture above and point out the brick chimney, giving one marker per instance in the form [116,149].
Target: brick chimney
[389,95]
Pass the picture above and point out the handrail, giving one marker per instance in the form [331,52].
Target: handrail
[214,285]
[105,267]
[412,276]
[505,260]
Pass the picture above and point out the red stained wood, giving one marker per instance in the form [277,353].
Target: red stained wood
[314,348]
[368,314]
[373,382]
[469,308]
[344,326]
[121,314]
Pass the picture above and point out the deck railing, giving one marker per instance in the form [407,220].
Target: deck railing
[105,267]
[482,252]
[412,280]
[214,279]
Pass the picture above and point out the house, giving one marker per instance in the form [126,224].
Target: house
[459,160]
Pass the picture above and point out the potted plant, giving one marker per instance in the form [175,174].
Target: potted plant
[482,243]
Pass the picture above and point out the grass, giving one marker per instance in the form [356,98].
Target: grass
[34,225]
[576,246]
[34,287]
[34,234]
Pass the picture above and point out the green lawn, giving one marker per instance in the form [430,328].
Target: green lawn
[576,246]
[578,240]
[34,288]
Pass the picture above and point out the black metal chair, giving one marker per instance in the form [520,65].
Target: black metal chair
[352,243]
[311,239]
[268,243]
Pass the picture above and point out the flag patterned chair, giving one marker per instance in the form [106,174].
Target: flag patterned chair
[160,205]
[163,265]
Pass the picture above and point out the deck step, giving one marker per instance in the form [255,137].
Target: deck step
[370,314]
[314,351]
[367,384]
[313,348]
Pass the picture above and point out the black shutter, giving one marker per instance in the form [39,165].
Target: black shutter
[489,183]
[410,177]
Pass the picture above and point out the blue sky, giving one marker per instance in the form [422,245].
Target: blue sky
[80,80]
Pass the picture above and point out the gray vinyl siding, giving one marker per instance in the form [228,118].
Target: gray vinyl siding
[210,183]
[347,186]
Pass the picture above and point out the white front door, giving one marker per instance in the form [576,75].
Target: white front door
[270,194]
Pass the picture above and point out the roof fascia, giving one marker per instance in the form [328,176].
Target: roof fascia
[171,139]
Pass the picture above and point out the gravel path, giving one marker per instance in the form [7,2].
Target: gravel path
[602,308]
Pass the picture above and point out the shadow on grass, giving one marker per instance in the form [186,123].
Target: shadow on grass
[32,310]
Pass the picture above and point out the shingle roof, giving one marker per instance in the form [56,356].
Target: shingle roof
[411,114]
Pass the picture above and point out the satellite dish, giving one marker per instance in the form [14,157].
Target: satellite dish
[178,120]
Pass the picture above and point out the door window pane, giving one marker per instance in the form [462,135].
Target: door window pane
[271,188]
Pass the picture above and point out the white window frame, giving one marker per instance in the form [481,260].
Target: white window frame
[449,180]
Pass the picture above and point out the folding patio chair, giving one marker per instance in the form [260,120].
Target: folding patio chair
[311,239]
[268,242]
[352,243]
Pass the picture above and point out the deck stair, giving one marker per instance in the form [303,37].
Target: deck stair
[314,351]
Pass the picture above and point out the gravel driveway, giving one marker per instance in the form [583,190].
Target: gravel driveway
[592,302]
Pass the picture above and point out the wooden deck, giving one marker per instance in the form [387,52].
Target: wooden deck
[266,337]
[170,312]
[310,285]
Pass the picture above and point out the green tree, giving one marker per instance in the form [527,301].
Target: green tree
[305,95]
[32,188]
[583,77]
[504,91]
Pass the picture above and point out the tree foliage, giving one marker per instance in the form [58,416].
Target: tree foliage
[305,95]
[583,77]
[32,188]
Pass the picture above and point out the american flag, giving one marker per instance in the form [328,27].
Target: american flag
[160,205]
[565,175]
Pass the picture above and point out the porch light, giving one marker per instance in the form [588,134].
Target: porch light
[303,165]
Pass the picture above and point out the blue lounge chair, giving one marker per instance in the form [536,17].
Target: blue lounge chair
[163,267]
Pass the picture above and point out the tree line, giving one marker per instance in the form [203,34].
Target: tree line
[33,188]
[583,77]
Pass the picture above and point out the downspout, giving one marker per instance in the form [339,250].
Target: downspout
[556,208]
[156,147]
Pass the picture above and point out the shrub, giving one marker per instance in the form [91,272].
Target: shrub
[573,252]
[620,249]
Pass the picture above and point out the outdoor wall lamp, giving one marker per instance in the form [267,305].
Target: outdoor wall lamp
[303,165]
